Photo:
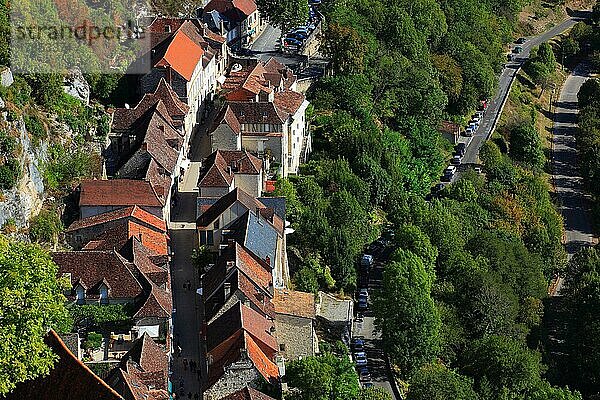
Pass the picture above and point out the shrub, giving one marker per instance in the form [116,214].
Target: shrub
[45,227]
[9,174]
[93,341]
[105,317]
[65,166]
[35,126]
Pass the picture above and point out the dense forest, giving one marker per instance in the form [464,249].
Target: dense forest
[463,292]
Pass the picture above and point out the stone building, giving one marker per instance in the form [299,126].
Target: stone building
[295,315]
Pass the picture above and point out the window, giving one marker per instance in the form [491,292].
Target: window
[103,294]
[217,224]
[209,238]
[281,346]
[202,238]
[80,294]
[78,239]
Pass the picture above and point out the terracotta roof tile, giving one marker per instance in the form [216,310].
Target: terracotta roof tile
[150,358]
[237,10]
[291,302]
[220,167]
[132,212]
[182,54]
[289,101]
[118,192]
[91,268]
[69,379]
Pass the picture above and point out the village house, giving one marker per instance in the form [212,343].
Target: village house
[263,114]
[190,58]
[239,20]
[249,222]
[101,196]
[106,277]
[295,314]
[143,373]
[112,230]
[224,170]
[241,348]
[237,276]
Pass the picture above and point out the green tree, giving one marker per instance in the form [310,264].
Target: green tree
[284,14]
[526,146]
[373,393]
[324,377]
[31,301]
[436,382]
[93,341]
[45,227]
[406,314]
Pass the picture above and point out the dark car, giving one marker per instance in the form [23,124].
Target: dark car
[357,344]
[364,374]
[290,41]
[362,303]
[300,36]
[368,384]
[360,359]
[521,40]
[460,149]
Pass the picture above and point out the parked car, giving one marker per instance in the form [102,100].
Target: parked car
[357,344]
[302,30]
[290,41]
[460,148]
[476,118]
[301,37]
[469,131]
[360,359]
[521,40]
[368,384]
[362,303]
[517,50]
[366,261]
[364,292]
[449,172]
[314,2]
[456,160]
[364,374]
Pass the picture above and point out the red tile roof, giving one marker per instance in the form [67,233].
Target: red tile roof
[118,192]
[116,237]
[182,54]
[242,317]
[233,9]
[247,393]
[220,167]
[157,304]
[291,302]
[289,101]
[91,268]
[69,379]
[133,212]
[150,358]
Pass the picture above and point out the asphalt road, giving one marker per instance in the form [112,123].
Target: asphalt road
[574,203]
[506,78]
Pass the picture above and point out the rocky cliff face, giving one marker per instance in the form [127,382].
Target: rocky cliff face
[25,199]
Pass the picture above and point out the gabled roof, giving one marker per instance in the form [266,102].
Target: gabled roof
[131,212]
[237,10]
[182,54]
[92,268]
[157,304]
[289,101]
[149,357]
[220,167]
[241,317]
[258,237]
[69,379]
[227,116]
[294,303]
[247,393]
[116,237]
[237,194]
[245,273]
[118,192]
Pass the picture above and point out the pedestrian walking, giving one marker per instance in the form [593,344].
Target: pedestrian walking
[193,366]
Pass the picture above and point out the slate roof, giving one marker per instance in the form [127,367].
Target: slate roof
[247,393]
[132,212]
[257,235]
[69,379]
[118,192]
[91,268]
[277,203]
[294,303]
[219,168]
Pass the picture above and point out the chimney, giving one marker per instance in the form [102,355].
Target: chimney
[272,329]
[227,289]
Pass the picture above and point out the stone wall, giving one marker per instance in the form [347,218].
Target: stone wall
[237,376]
[295,336]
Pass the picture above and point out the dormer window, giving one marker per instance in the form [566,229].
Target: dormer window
[80,294]
[103,294]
